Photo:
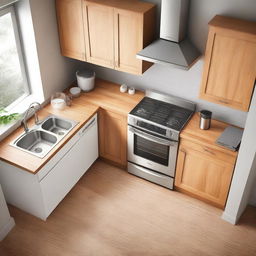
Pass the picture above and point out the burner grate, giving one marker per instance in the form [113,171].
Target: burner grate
[162,113]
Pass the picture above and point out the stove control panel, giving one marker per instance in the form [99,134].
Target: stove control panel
[153,128]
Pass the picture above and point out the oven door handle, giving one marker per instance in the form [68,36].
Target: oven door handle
[151,137]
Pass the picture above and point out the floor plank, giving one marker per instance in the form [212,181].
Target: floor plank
[110,212]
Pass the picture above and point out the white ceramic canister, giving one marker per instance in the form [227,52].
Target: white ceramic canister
[85,79]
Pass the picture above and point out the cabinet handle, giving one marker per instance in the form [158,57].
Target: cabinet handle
[183,151]
[87,126]
[224,101]
[209,151]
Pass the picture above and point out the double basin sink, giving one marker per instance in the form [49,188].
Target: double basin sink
[42,138]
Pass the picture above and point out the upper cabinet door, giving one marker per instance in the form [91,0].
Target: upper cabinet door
[230,63]
[128,40]
[71,31]
[99,34]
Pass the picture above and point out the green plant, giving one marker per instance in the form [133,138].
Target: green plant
[7,118]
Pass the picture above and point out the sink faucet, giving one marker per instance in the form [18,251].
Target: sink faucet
[32,106]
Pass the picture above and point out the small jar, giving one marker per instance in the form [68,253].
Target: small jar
[205,119]
[58,100]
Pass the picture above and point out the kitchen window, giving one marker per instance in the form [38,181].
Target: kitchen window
[13,80]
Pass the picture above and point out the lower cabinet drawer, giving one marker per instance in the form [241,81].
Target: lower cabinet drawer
[69,169]
[147,174]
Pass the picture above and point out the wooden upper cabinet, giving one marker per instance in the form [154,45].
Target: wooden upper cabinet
[128,40]
[116,30]
[230,63]
[71,30]
[99,34]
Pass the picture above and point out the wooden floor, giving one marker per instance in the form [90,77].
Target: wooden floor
[110,212]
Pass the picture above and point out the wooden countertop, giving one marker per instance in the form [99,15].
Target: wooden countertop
[105,95]
[193,133]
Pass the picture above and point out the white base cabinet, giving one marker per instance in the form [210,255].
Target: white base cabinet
[40,194]
[6,221]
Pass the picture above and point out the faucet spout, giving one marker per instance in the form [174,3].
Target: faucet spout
[32,106]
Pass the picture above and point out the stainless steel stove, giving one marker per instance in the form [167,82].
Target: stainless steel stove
[153,135]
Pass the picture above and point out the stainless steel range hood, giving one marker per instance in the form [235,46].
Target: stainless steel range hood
[172,48]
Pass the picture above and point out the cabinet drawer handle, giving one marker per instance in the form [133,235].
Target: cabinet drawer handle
[209,151]
[183,151]
[87,126]
[224,101]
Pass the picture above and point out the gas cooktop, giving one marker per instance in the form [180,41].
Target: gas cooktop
[163,113]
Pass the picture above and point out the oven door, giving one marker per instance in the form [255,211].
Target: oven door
[151,151]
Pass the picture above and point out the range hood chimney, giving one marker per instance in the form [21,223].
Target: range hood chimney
[172,48]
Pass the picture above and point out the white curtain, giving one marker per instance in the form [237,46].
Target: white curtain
[4,3]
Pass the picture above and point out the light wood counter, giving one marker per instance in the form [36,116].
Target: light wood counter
[193,133]
[105,95]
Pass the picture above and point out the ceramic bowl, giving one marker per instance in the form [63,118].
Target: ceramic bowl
[75,91]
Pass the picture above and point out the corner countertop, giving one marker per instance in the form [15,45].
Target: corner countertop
[193,133]
[105,95]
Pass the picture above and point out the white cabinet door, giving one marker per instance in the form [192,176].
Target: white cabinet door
[71,167]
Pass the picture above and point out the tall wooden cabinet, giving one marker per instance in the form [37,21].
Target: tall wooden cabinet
[204,170]
[110,32]
[230,63]
[71,30]
[113,136]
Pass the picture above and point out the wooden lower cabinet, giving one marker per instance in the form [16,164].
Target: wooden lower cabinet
[204,172]
[113,137]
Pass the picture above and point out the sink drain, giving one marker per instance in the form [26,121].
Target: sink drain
[38,150]
[60,133]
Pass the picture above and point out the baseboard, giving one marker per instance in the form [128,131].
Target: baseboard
[7,228]
[229,218]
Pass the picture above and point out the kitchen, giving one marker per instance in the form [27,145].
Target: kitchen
[184,84]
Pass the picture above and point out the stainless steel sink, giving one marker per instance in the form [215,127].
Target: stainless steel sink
[57,125]
[37,142]
[42,138]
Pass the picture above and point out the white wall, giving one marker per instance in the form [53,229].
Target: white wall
[186,83]
[245,170]
[252,199]
[204,10]
[57,72]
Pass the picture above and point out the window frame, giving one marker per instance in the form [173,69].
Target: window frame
[11,10]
